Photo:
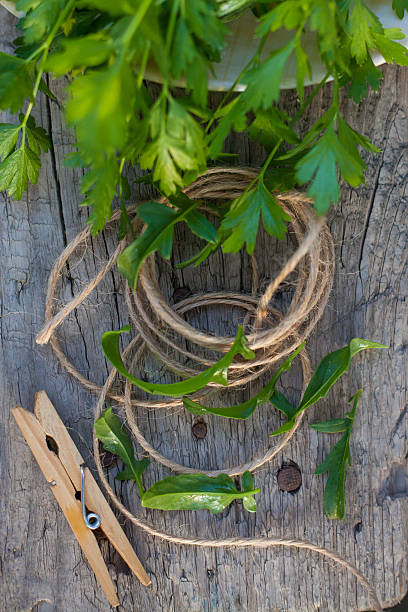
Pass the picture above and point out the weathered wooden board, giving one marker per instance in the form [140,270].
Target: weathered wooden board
[43,568]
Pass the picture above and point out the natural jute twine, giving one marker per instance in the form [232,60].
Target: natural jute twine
[271,334]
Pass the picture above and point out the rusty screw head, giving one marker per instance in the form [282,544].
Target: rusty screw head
[199,429]
[290,478]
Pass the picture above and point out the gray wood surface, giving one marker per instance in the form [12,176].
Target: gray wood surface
[42,566]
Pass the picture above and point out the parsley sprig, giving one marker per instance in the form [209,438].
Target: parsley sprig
[107,48]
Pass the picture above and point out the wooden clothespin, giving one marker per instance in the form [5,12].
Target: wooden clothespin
[63,468]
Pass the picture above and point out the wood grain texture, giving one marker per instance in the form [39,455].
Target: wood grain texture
[43,567]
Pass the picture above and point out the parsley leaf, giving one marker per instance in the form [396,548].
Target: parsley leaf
[158,234]
[242,220]
[40,17]
[8,138]
[263,81]
[320,163]
[37,137]
[177,145]
[360,76]
[335,463]
[15,82]
[400,6]
[100,103]
[391,51]
[76,53]
[363,23]
[17,169]
[99,184]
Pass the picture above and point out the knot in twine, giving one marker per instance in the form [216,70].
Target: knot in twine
[271,335]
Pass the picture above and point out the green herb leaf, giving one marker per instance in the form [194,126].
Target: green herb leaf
[16,170]
[110,431]
[363,23]
[263,81]
[15,82]
[392,52]
[216,373]
[177,145]
[400,6]
[244,410]
[76,53]
[195,492]
[99,104]
[332,426]
[8,138]
[270,126]
[335,463]
[361,75]
[242,220]
[200,226]
[329,370]
[320,164]
[283,404]
[158,235]
[247,482]
[37,137]
[40,17]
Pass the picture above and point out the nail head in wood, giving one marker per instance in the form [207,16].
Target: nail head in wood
[199,429]
[290,478]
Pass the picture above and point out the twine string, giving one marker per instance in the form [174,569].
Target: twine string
[271,335]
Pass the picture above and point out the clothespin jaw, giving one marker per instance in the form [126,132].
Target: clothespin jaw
[61,463]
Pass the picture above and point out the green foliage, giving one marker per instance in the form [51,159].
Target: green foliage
[183,492]
[176,146]
[15,82]
[329,370]
[216,373]
[199,492]
[334,500]
[242,220]
[20,164]
[158,235]
[244,410]
[400,6]
[110,431]
[263,81]
[105,48]
[40,17]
